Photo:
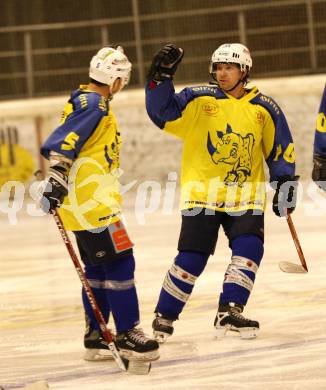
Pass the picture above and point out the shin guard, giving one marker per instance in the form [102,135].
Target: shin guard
[179,283]
[121,292]
[96,277]
[247,252]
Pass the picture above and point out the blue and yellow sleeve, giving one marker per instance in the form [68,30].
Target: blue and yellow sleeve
[174,112]
[320,131]
[277,140]
[80,119]
[169,110]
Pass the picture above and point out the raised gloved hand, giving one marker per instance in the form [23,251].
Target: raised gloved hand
[319,172]
[165,63]
[285,197]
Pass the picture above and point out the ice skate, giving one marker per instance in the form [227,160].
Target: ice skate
[229,317]
[135,345]
[162,328]
[96,347]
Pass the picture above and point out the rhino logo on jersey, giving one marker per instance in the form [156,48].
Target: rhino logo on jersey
[235,150]
[111,152]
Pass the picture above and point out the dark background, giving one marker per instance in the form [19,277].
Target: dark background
[46,46]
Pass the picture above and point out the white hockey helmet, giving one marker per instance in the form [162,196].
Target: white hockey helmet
[108,64]
[234,53]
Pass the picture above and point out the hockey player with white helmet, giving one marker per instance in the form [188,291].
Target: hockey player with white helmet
[232,53]
[85,148]
[107,66]
[227,130]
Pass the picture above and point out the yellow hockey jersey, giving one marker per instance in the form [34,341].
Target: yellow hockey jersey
[226,141]
[88,134]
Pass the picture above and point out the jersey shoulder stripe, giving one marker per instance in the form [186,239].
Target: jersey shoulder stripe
[188,94]
[164,105]
[88,101]
[269,104]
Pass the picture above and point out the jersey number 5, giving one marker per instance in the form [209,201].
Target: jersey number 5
[69,142]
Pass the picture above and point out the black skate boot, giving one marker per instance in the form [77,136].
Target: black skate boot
[135,345]
[162,328]
[229,317]
[96,347]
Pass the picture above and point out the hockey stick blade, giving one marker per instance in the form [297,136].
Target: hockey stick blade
[291,268]
[139,368]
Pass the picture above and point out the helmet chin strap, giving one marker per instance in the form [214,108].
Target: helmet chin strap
[235,86]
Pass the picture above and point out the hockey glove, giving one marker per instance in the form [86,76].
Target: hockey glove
[285,197]
[165,63]
[319,172]
[56,182]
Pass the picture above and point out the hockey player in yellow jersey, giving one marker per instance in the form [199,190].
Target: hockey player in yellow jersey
[319,150]
[227,131]
[84,151]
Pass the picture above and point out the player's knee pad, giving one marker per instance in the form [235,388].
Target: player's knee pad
[119,275]
[247,252]
[181,277]
[94,272]
[95,276]
[192,262]
[248,246]
[96,279]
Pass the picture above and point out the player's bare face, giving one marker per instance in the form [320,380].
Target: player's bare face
[228,75]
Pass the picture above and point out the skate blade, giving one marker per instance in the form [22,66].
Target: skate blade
[161,337]
[140,357]
[245,333]
[248,333]
[220,332]
[138,368]
[291,268]
[96,355]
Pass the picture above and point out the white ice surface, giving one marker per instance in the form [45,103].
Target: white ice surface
[41,318]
